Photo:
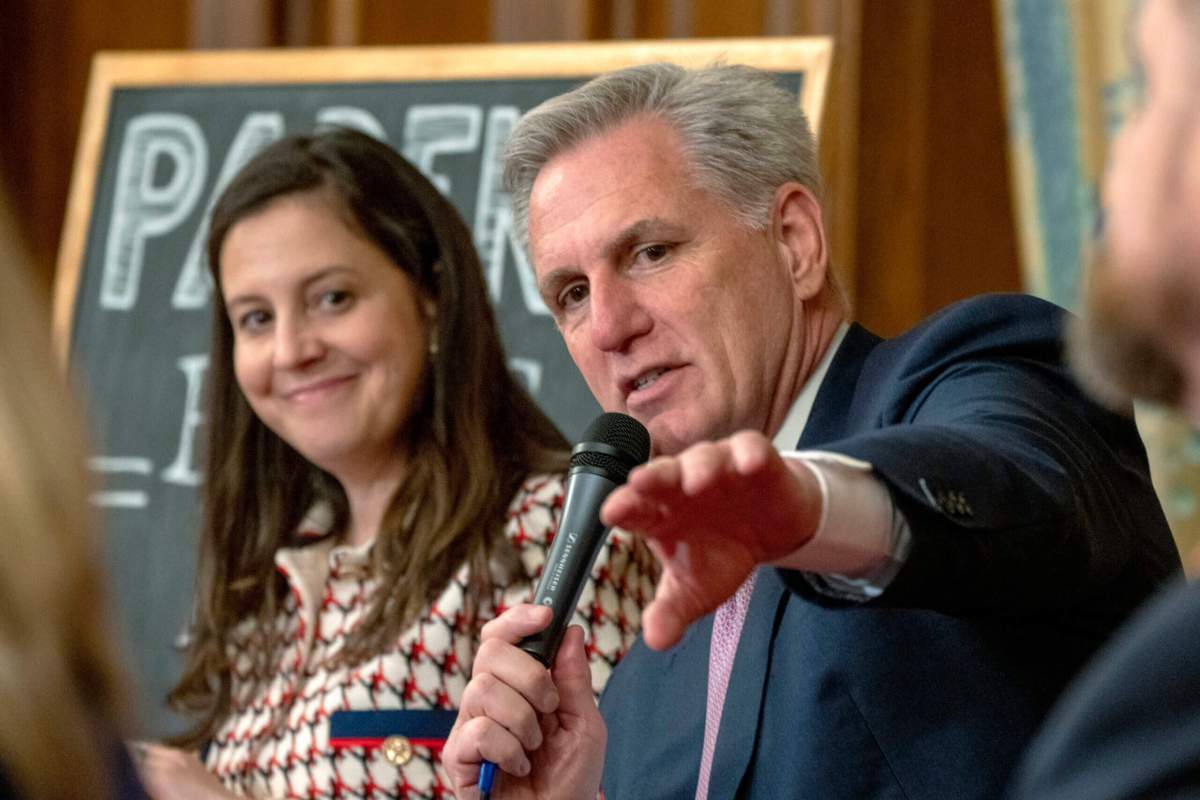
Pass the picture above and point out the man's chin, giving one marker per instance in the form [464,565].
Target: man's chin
[664,443]
[670,435]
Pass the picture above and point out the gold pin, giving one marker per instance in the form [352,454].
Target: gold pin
[398,750]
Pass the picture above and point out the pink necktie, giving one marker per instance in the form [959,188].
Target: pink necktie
[727,629]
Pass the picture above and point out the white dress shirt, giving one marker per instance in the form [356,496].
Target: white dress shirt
[862,539]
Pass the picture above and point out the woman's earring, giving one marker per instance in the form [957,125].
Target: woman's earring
[429,307]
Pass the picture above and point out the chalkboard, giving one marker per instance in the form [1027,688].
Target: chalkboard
[162,135]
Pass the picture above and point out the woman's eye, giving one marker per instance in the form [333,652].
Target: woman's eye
[253,321]
[335,298]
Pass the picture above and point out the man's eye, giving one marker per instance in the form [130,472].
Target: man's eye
[654,252]
[573,295]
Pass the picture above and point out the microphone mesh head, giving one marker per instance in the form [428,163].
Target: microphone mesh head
[619,431]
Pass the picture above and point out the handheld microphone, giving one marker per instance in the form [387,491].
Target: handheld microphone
[611,446]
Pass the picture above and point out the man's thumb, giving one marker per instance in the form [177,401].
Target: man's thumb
[572,674]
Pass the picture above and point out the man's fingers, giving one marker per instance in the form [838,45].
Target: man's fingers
[655,491]
[573,675]
[516,623]
[662,626]
[631,510]
[702,466]
[662,551]
[657,475]
[750,452]
[516,669]
[674,608]
[508,685]
[483,739]
[485,696]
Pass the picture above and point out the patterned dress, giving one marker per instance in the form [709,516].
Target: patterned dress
[276,741]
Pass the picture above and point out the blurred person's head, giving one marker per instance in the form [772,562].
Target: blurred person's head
[60,692]
[1139,335]
[673,221]
[352,338]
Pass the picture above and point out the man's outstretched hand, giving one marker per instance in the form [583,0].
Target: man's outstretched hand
[711,514]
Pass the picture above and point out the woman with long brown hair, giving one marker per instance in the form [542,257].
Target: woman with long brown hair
[377,486]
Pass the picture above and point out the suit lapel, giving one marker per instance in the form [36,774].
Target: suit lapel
[737,738]
[829,417]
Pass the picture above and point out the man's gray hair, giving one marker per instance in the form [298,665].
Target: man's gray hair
[744,134]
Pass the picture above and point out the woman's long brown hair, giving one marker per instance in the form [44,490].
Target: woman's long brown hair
[474,436]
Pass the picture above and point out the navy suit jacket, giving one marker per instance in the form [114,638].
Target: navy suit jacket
[1035,532]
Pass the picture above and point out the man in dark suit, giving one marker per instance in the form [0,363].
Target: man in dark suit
[1130,726]
[889,611]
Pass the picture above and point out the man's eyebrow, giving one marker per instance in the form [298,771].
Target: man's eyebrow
[643,229]
[555,278]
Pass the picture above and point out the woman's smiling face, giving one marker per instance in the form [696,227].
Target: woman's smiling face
[330,341]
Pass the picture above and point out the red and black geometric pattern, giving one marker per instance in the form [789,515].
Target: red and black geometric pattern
[275,743]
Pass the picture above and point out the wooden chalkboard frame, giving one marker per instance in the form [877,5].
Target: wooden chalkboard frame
[114,70]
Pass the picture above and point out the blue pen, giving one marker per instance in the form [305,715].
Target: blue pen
[487,774]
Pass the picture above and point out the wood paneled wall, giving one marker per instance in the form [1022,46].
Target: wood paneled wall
[46,48]
[913,141]
[935,221]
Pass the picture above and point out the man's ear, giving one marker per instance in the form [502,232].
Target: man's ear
[799,233]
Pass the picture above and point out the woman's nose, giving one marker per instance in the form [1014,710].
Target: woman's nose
[297,344]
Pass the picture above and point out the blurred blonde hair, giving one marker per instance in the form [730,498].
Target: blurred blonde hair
[59,688]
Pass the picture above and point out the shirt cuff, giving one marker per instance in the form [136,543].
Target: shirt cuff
[862,539]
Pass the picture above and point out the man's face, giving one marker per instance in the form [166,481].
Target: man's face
[1146,287]
[675,312]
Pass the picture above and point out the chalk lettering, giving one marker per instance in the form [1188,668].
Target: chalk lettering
[530,370]
[143,207]
[434,130]
[258,130]
[495,237]
[350,117]
[120,465]
[181,471]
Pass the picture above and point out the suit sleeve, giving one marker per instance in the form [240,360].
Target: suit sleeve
[1021,494]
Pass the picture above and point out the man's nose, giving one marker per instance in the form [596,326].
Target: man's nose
[297,342]
[617,314]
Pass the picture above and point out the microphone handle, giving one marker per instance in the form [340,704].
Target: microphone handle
[569,562]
